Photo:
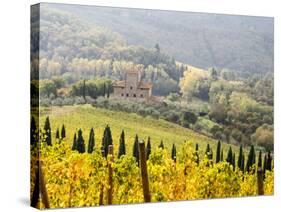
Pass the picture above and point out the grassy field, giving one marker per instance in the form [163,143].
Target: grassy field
[87,116]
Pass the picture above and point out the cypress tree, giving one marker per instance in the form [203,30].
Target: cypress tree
[197,147]
[218,152]
[48,132]
[33,132]
[91,143]
[104,89]
[210,154]
[106,140]
[136,149]
[74,145]
[233,161]
[207,150]
[222,155]
[84,90]
[148,148]
[103,137]
[243,163]
[102,151]
[248,164]
[254,155]
[161,145]
[259,160]
[63,132]
[264,165]
[108,93]
[174,153]
[239,163]
[80,142]
[197,159]
[251,158]
[58,134]
[229,156]
[110,141]
[122,146]
[269,161]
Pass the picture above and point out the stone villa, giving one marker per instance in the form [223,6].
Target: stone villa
[132,87]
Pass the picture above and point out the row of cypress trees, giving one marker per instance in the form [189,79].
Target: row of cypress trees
[60,135]
[79,145]
[47,132]
[231,158]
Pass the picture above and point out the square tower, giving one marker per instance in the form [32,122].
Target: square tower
[132,79]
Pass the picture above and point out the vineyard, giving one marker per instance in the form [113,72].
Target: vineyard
[125,159]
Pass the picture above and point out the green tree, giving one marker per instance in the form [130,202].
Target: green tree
[104,89]
[251,159]
[33,132]
[84,90]
[122,146]
[264,165]
[91,143]
[48,132]
[259,160]
[80,142]
[218,152]
[211,154]
[108,92]
[243,163]
[214,74]
[174,153]
[157,47]
[239,163]
[233,161]
[222,155]
[74,145]
[148,148]
[47,87]
[229,156]
[208,149]
[197,159]
[161,145]
[269,162]
[58,134]
[218,113]
[58,81]
[136,149]
[106,140]
[188,118]
[63,132]
[264,136]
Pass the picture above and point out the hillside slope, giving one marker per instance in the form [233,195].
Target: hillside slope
[86,117]
[241,43]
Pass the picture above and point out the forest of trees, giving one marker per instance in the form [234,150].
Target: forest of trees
[240,43]
[79,61]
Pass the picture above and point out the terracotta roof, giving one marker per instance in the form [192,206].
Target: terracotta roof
[119,84]
[141,85]
[144,85]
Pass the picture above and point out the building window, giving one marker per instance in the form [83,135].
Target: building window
[127,95]
[131,87]
[122,94]
[141,95]
[135,95]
